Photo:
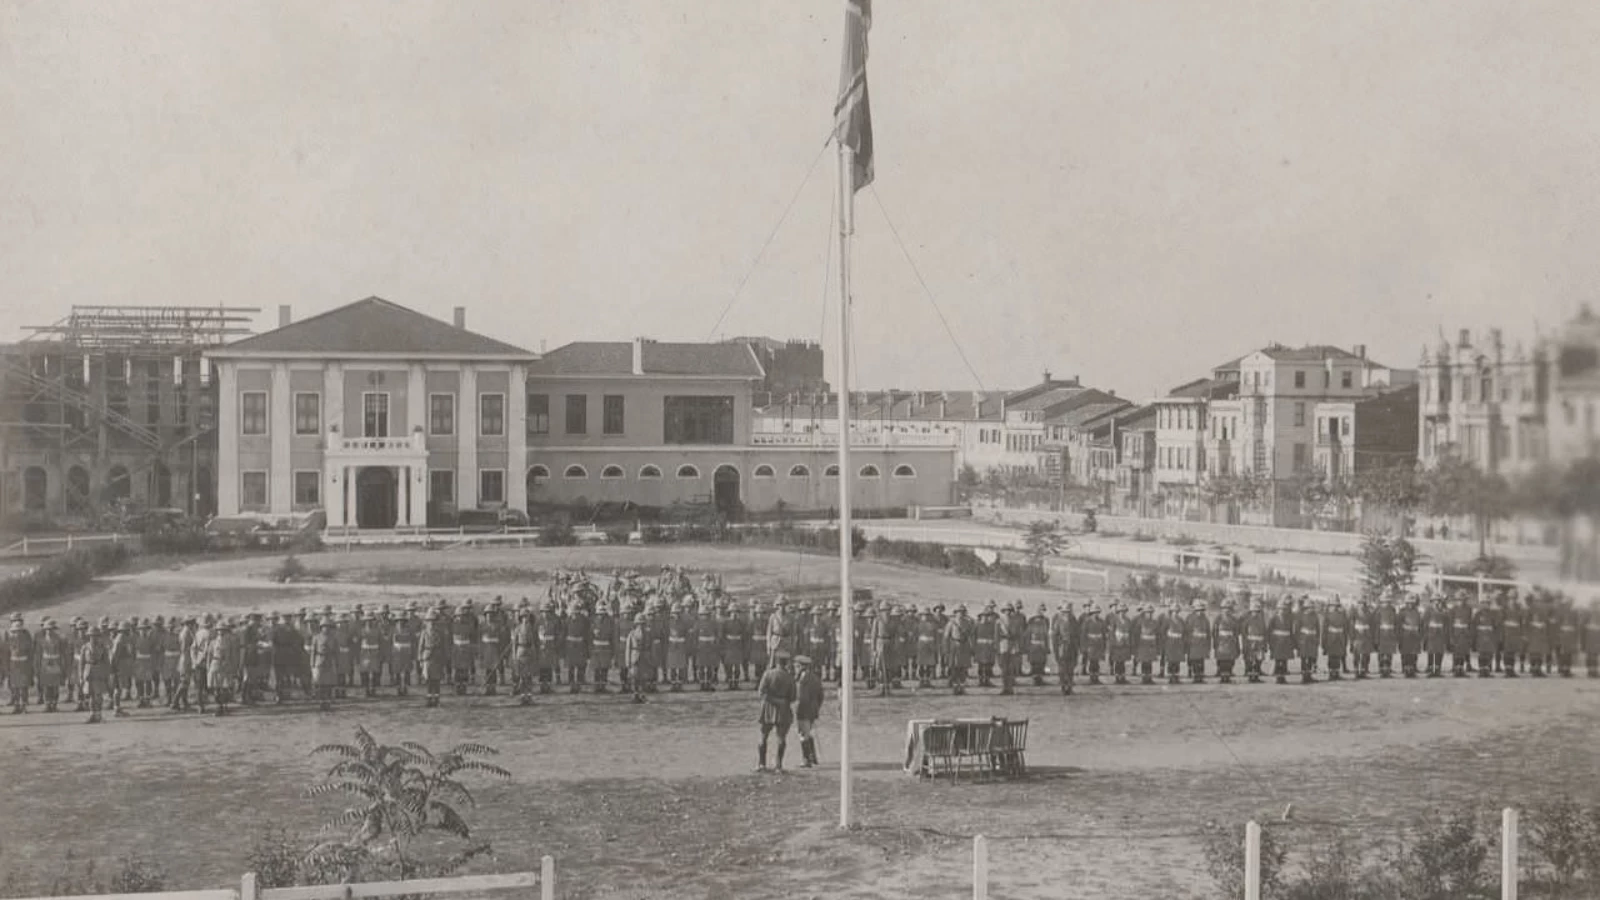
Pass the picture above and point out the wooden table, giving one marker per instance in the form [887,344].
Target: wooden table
[969,740]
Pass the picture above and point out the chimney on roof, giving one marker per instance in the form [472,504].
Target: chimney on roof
[461,317]
[944,405]
[1361,351]
[284,315]
[1046,376]
[638,356]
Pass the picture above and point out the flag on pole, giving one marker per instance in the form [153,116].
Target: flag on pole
[852,115]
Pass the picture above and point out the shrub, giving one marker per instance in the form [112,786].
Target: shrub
[62,574]
[290,570]
[558,533]
[618,534]
[964,562]
[1484,566]
[137,875]
[176,539]
[1564,846]
[1143,538]
[1182,540]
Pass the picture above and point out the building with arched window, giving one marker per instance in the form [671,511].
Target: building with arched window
[386,417]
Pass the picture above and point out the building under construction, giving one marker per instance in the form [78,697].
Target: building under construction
[110,407]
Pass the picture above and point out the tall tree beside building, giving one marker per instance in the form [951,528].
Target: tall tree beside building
[1458,488]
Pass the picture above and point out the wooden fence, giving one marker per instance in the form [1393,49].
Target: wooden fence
[544,880]
[1252,860]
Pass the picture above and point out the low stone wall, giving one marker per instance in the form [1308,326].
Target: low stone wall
[1291,539]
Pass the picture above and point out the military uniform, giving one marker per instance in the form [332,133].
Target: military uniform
[525,656]
[94,663]
[575,643]
[1119,643]
[19,672]
[1461,638]
[1146,642]
[1361,639]
[777,690]
[1335,638]
[550,646]
[1225,641]
[1386,638]
[735,640]
[52,664]
[1064,644]
[1436,638]
[1537,637]
[958,649]
[325,663]
[637,656]
[1255,633]
[1486,638]
[224,661]
[986,634]
[1280,640]
[707,648]
[602,648]
[1568,625]
[1197,641]
[1308,641]
[1092,641]
[493,642]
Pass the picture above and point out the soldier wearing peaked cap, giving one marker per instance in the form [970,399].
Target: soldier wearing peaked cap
[777,690]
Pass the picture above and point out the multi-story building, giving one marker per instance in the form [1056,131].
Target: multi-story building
[1574,393]
[109,405]
[1182,453]
[382,416]
[1135,436]
[792,368]
[1484,402]
[1360,435]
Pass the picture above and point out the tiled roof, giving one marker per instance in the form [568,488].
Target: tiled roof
[728,360]
[372,326]
[1083,415]
[1311,353]
[1077,400]
[1205,389]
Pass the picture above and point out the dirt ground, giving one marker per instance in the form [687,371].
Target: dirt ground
[660,800]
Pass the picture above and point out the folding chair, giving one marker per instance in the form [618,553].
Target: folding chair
[939,748]
[976,743]
[1012,743]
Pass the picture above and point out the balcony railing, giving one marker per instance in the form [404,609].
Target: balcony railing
[857,439]
[416,442]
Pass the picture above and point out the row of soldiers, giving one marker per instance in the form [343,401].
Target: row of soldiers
[669,635]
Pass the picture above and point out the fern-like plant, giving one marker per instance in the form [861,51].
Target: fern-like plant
[400,791]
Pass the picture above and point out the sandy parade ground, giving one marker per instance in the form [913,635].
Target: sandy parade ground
[661,800]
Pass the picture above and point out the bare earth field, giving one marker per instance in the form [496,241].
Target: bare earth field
[660,800]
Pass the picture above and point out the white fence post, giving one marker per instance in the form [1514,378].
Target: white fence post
[1252,861]
[547,878]
[247,887]
[1508,854]
[980,868]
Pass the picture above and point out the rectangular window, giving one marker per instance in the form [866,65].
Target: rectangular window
[152,412]
[577,414]
[491,415]
[612,414]
[1299,379]
[252,412]
[1299,457]
[253,491]
[442,485]
[491,486]
[697,420]
[307,488]
[1327,378]
[538,413]
[1299,415]
[442,414]
[1346,379]
[374,415]
[307,413]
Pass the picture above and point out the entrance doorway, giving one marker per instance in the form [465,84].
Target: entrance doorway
[375,497]
[725,491]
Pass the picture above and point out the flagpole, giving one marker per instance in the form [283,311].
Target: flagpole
[846,534]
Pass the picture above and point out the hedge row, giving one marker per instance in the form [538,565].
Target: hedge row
[62,574]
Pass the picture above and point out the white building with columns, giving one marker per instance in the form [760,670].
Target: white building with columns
[370,412]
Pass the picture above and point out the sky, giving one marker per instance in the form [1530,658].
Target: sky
[1126,192]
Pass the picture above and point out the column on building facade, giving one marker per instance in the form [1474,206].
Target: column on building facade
[227,439]
[419,493]
[280,471]
[348,476]
[467,440]
[333,489]
[517,439]
[402,480]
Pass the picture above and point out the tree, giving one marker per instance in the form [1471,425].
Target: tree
[1044,539]
[967,481]
[1387,564]
[400,793]
[1456,487]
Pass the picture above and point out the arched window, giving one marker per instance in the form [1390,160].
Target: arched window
[537,474]
[830,472]
[577,471]
[764,471]
[611,472]
[869,471]
[34,482]
[904,471]
[688,472]
[799,472]
[649,472]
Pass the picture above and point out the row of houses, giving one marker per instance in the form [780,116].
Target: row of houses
[383,416]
